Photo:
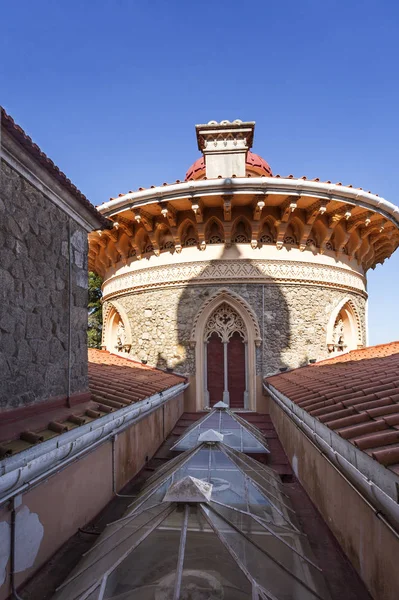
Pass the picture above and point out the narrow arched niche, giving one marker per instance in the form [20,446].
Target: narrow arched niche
[116,330]
[344,331]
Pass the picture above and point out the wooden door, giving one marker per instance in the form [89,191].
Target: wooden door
[236,370]
[215,369]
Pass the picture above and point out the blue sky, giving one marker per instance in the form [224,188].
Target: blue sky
[111,91]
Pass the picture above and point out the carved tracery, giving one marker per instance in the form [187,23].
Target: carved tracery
[225,322]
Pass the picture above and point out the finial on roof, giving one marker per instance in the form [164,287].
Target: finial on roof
[220,405]
[189,489]
[211,436]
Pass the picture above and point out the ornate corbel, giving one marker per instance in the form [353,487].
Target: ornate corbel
[147,220]
[227,201]
[169,213]
[197,206]
[260,203]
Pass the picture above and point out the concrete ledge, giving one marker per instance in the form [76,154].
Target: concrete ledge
[20,472]
[84,478]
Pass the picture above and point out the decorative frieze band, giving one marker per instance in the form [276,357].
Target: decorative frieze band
[234,271]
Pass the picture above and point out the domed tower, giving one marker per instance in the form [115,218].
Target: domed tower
[236,273]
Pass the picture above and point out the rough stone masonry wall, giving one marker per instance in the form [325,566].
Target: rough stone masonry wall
[293,321]
[34,297]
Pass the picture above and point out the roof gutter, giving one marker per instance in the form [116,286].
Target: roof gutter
[254,185]
[376,485]
[25,470]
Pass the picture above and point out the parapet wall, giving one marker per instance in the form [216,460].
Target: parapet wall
[370,544]
[48,515]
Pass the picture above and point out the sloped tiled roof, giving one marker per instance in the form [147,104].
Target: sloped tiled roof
[116,381]
[364,353]
[356,395]
[19,135]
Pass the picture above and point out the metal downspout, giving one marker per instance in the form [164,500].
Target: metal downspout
[69,315]
[263,328]
[113,438]
[14,593]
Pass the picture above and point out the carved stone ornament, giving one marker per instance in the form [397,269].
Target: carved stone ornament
[225,321]
[263,271]
[338,336]
[120,335]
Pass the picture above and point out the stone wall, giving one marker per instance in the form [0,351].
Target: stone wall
[34,296]
[293,321]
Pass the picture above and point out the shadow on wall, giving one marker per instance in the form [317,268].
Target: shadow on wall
[231,330]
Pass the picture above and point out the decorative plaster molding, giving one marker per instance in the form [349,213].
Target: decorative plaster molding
[355,319]
[235,271]
[110,309]
[226,296]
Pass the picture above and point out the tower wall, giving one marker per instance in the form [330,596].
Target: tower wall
[293,321]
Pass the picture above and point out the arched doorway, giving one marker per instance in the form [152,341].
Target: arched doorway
[245,324]
[225,371]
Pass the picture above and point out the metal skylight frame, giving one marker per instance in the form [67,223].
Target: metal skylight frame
[208,512]
[208,421]
[262,478]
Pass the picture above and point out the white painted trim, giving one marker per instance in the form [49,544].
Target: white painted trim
[20,472]
[253,185]
[16,159]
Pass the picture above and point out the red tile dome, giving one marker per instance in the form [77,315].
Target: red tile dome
[255,166]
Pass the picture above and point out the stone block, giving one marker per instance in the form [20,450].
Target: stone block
[6,285]
[33,326]
[5,370]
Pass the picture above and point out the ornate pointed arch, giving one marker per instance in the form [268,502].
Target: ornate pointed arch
[116,324]
[214,231]
[345,317]
[238,303]
[251,335]
[186,226]
[241,230]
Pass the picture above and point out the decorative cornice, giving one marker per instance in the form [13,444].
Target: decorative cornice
[238,271]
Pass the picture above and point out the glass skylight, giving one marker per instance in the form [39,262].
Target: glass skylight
[190,550]
[237,433]
[211,524]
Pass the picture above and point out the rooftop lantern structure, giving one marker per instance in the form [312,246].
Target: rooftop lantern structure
[186,537]
[237,433]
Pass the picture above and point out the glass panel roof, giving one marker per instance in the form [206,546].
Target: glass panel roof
[213,523]
[237,433]
[237,481]
[191,550]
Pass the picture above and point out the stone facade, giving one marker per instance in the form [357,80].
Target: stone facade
[293,321]
[34,309]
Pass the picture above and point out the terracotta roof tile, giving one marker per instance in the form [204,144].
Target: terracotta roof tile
[114,382]
[117,380]
[355,394]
